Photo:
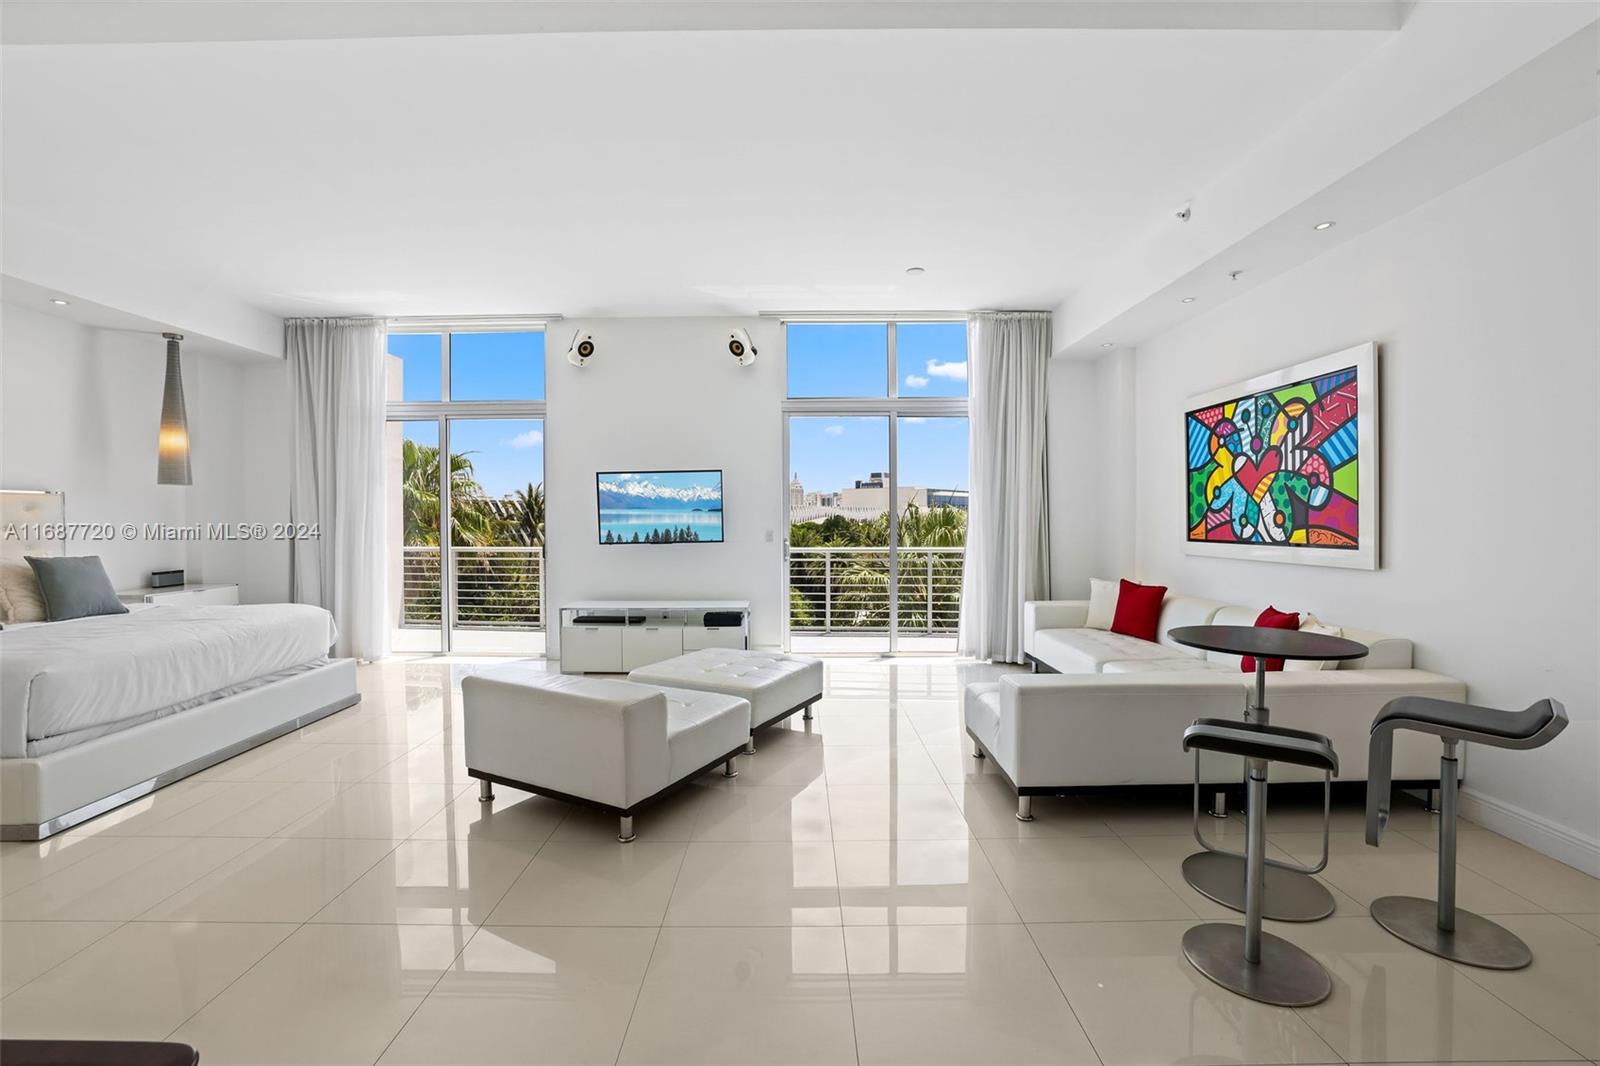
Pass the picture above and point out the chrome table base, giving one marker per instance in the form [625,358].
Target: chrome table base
[1475,941]
[1285,976]
[1288,896]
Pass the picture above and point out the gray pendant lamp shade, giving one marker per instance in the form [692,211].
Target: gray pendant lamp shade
[172,447]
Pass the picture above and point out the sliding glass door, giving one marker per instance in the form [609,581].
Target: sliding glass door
[496,535]
[931,538]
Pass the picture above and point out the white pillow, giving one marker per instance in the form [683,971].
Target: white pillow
[1102,603]
[1312,625]
[20,600]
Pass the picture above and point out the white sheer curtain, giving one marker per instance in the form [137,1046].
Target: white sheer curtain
[1008,558]
[336,380]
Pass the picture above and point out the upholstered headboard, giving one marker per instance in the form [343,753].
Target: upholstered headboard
[22,513]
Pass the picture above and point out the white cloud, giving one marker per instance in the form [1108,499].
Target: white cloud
[917,419]
[833,431]
[531,439]
[916,381]
[954,371]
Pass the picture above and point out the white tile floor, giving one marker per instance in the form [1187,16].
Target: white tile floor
[860,893]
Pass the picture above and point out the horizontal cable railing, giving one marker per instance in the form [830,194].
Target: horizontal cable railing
[419,584]
[498,588]
[846,590]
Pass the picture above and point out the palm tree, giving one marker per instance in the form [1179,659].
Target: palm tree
[472,524]
[523,525]
[937,527]
[860,580]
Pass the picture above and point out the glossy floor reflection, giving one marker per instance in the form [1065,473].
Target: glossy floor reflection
[859,893]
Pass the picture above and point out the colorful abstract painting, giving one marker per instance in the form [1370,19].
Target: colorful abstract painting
[1280,465]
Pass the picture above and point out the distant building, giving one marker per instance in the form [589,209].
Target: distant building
[869,496]
[875,497]
[948,498]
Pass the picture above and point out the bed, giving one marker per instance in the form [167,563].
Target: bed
[96,712]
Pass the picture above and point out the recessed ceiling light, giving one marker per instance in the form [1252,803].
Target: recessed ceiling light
[1188,299]
[59,303]
[914,271]
[1108,344]
[1323,225]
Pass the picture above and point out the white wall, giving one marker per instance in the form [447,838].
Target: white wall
[1090,471]
[78,412]
[1482,303]
[241,458]
[664,394]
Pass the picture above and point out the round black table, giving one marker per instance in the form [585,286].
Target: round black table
[1289,895]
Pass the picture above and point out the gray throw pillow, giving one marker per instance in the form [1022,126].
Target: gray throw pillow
[75,586]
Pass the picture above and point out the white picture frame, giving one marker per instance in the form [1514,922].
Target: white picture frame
[1365,555]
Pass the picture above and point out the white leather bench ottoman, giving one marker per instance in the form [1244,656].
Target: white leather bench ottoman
[599,742]
[776,685]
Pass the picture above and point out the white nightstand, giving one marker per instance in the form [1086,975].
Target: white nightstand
[191,595]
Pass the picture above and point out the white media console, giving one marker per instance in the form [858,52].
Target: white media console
[615,636]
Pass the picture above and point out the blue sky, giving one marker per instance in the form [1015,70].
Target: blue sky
[824,360]
[673,479]
[852,359]
[507,453]
[483,366]
[832,453]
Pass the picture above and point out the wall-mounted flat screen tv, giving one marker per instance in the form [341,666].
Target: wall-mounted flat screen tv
[660,506]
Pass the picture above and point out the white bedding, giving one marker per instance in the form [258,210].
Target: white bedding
[67,677]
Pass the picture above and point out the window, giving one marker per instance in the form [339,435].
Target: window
[932,358]
[838,359]
[421,356]
[497,366]
[876,470]
[853,360]
[467,568]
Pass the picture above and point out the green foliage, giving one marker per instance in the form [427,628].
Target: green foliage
[505,585]
[850,590]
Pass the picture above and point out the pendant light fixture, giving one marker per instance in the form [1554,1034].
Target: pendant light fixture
[172,446]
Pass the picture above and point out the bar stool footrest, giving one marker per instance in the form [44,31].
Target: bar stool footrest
[1286,976]
[1475,941]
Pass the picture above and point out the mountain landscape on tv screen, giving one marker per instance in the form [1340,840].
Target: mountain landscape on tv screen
[636,492]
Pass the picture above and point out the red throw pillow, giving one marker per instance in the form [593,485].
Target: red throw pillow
[1138,610]
[1271,618]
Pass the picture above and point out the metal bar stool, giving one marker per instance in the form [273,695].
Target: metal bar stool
[1439,926]
[1245,959]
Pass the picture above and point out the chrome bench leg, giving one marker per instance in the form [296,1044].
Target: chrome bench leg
[1024,808]
[1439,927]
[625,833]
[485,790]
[729,770]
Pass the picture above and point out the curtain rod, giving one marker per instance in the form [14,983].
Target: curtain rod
[470,321]
[866,316]
[894,316]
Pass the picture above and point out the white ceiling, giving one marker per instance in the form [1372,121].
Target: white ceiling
[644,173]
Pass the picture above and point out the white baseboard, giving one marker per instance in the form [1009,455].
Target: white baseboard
[1538,833]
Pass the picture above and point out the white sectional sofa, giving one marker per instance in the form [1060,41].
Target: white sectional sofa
[1113,709]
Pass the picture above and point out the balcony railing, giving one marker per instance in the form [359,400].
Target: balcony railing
[846,590]
[490,588]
